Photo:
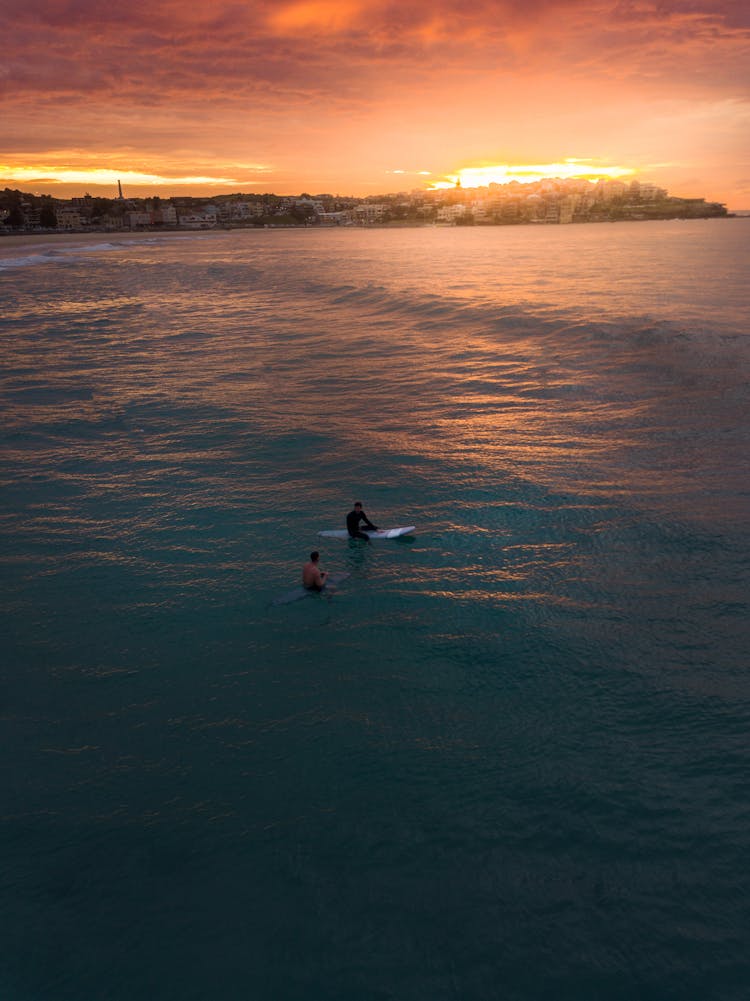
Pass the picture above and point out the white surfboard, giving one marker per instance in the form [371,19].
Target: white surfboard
[382,533]
[305,592]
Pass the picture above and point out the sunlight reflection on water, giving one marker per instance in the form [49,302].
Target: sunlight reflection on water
[536,706]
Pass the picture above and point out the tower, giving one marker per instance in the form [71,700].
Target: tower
[119,188]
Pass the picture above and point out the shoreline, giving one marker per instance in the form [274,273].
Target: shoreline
[32,237]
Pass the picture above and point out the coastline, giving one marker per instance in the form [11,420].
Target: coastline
[34,239]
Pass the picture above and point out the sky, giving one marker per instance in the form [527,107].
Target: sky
[367,97]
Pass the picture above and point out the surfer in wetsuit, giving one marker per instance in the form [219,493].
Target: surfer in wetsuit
[352,523]
[313,578]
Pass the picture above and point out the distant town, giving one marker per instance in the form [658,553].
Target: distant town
[548,202]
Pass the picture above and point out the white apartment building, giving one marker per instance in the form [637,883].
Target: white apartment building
[68,218]
[239,210]
[205,218]
[343,218]
[137,219]
[450,213]
[369,212]
[607,190]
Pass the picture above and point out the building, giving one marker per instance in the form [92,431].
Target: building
[452,213]
[200,219]
[68,217]
[367,213]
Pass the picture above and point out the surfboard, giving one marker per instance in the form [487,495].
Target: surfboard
[382,533]
[297,593]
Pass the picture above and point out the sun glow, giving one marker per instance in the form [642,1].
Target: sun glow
[57,175]
[318,15]
[477,177]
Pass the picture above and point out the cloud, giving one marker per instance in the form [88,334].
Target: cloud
[340,49]
[365,84]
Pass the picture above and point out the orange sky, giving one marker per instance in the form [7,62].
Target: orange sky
[368,96]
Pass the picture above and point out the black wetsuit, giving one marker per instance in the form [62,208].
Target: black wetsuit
[352,524]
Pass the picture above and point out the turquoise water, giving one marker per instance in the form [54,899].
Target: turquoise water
[509,758]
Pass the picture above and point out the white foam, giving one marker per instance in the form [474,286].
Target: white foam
[36,253]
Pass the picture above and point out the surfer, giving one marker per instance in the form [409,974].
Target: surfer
[313,578]
[354,518]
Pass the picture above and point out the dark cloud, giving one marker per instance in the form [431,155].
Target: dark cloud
[152,52]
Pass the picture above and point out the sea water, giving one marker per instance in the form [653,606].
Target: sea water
[508,758]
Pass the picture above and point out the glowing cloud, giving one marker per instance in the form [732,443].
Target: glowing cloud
[101,177]
[323,15]
[44,172]
[477,177]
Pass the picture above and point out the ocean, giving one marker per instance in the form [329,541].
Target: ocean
[508,759]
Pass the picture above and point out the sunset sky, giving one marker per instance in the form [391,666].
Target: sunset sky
[364,97]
